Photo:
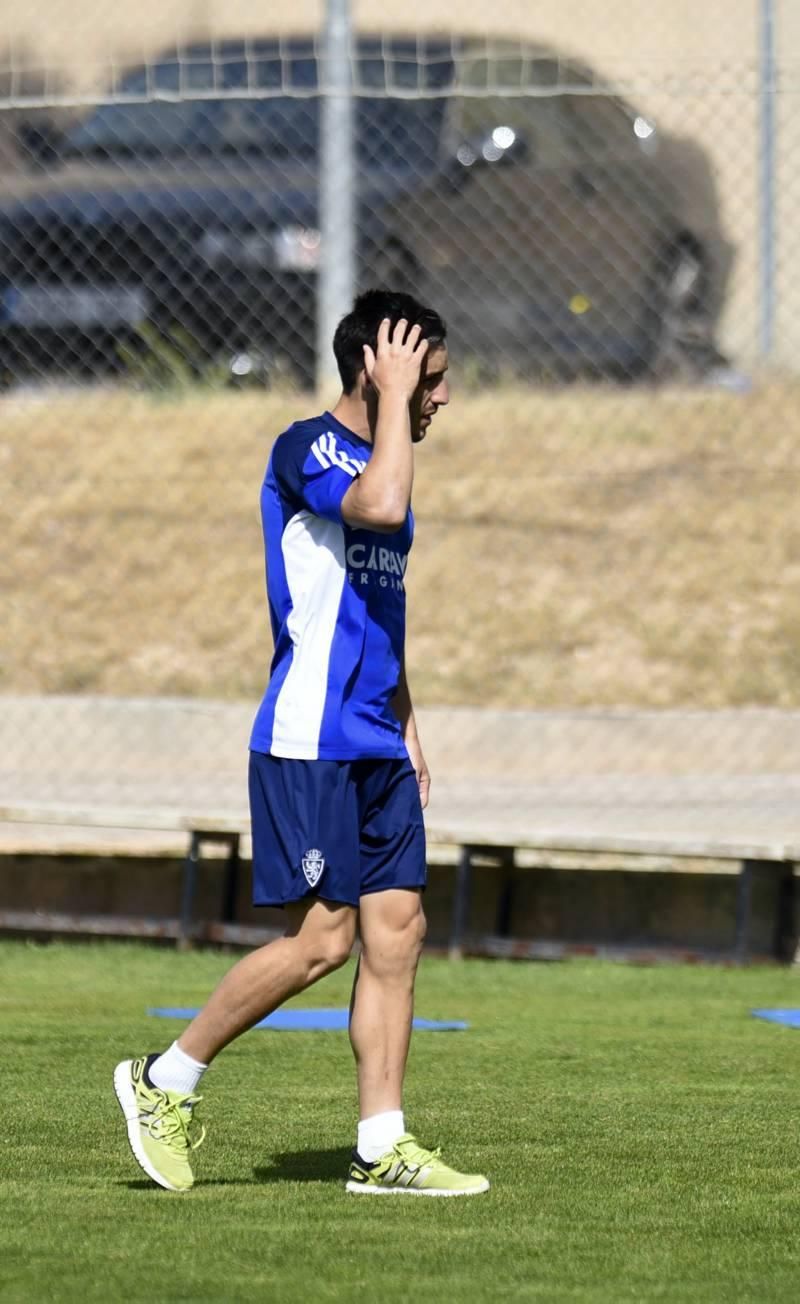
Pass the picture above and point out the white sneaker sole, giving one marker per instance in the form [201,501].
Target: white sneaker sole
[361,1188]
[127,1103]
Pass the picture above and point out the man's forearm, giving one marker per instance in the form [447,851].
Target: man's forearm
[379,499]
[383,490]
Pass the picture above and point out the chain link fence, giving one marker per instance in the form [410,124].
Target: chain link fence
[172,230]
[600,203]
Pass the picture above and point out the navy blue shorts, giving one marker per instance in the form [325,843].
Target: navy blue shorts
[334,829]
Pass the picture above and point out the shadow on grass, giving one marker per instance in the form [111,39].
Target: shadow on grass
[144,1184]
[306,1166]
[291,1166]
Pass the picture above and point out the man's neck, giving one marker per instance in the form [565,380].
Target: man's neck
[353,412]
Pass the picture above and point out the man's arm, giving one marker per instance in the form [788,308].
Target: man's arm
[379,498]
[401,705]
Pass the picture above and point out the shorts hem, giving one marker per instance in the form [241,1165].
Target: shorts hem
[307,896]
[339,901]
[391,887]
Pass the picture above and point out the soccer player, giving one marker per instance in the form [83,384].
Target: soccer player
[337,777]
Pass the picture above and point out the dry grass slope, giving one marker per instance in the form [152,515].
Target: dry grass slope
[584,547]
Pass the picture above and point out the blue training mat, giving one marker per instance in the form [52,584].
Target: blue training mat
[308,1020]
[790,1017]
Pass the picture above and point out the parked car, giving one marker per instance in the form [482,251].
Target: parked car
[534,210]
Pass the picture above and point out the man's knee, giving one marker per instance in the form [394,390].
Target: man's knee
[416,929]
[396,940]
[329,950]
[324,940]
[422,927]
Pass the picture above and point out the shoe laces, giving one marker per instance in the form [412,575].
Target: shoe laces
[415,1155]
[170,1122]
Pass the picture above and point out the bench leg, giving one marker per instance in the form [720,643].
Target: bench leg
[188,893]
[505,896]
[231,888]
[744,903]
[785,939]
[461,903]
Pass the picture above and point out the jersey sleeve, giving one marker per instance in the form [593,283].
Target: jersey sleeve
[318,473]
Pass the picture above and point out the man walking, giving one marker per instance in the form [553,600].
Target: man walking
[337,776]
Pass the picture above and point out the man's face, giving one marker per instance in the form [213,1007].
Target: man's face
[431,393]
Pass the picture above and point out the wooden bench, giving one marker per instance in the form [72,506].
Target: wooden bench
[223,827]
[500,853]
[494,846]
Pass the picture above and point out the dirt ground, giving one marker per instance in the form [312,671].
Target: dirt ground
[590,546]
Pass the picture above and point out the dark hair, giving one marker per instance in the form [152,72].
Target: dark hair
[360,327]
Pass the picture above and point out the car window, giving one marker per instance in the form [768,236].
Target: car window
[280,128]
[390,132]
[599,126]
[157,128]
[535,119]
[506,87]
[399,134]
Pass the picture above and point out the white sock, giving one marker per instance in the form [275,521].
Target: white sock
[378,1134]
[176,1071]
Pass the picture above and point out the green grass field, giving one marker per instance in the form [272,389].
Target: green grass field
[640,1129]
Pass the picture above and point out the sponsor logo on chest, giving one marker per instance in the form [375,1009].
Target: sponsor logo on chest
[369,563]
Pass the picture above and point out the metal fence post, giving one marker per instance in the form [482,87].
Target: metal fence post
[767,75]
[336,279]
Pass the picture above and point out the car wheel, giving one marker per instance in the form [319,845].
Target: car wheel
[676,332]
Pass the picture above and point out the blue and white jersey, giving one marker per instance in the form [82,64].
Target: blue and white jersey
[337,604]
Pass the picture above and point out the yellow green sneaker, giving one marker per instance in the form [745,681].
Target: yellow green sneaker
[158,1124]
[409,1169]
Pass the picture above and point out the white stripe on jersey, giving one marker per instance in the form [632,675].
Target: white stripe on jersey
[319,455]
[328,454]
[313,556]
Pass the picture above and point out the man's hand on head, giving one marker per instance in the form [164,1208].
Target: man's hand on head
[396,364]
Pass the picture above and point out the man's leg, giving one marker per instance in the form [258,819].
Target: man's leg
[392,933]
[388,1160]
[155,1091]
[319,939]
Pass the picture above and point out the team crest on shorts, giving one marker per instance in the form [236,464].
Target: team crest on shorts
[313,864]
